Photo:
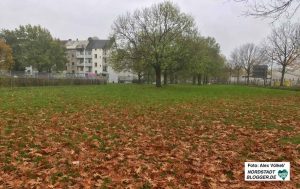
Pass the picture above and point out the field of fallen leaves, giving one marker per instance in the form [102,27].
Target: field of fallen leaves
[130,136]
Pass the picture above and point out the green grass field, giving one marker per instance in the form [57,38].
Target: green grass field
[118,136]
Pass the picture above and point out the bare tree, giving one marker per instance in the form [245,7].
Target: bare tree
[283,43]
[152,33]
[245,57]
[230,67]
[235,63]
[271,8]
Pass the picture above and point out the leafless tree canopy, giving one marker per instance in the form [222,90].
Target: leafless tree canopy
[245,57]
[271,8]
[283,45]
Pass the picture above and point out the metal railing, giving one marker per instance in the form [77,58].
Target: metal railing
[78,55]
[21,79]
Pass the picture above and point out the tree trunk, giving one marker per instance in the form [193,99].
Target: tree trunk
[282,75]
[158,76]
[199,79]
[172,78]
[38,69]
[165,77]
[248,76]
[176,79]
[194,80]
[148,78]
[238,77]
[139,78]
[204,80]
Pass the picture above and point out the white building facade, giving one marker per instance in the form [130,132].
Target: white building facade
[90,59]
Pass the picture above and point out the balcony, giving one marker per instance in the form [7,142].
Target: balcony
[87,63]
[79,55]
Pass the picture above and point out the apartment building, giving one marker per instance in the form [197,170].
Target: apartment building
[99,51]
[86,56]
[89,58]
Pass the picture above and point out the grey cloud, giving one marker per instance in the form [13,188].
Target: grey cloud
[80,19]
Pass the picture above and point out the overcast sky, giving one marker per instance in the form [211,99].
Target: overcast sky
[71,19]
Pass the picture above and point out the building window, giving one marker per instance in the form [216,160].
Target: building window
[72,63]
[81,60]
[96,72]
[73,55]
[105,68]
[96,64]
[95,55]
[104,59]
[73,71]
[90,61]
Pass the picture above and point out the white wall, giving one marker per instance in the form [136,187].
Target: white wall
[97,60]
[114,76]
[293,75]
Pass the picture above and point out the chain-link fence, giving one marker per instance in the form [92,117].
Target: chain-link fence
[22,79]
[289,82]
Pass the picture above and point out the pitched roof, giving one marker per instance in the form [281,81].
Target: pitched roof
[97,44]
[76,44]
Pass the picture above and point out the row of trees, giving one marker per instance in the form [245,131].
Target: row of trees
[164,39]
[281,47]
[33,46]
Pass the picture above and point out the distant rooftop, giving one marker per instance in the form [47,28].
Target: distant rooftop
[78,44]
[91,43]
[97,44]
